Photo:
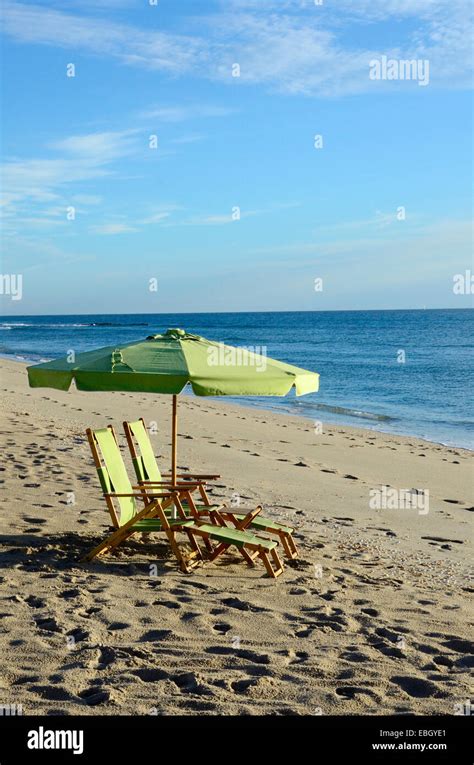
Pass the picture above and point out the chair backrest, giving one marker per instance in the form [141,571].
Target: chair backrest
[141,450]
[112,473]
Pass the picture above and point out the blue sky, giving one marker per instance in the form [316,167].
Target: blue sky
[80,147]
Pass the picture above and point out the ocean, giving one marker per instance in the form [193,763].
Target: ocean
[404,372]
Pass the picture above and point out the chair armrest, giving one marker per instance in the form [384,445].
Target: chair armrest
[140,496]
[165,484]
[199,476]
[203,476]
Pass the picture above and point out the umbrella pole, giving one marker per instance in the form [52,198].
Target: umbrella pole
[174,445]
[174,436]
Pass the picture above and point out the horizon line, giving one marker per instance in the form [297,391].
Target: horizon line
[228,313]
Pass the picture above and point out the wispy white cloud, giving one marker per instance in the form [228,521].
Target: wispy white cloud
[349,240]
[171,216]
[98,148]
[159,215]
[365,8]
[402,8]
[308,54]
[211,220]
[156,218]
[111,229]
[83,157]
[86,199]
[185,139]
[291,46]
[186,112]
[99,36]
[219,219]
[373,224]
[30,184]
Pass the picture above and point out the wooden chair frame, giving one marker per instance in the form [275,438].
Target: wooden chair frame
[155,506]
[197,482]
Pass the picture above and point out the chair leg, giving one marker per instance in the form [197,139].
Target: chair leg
[108,544]
[186,564]
[218,550]
[288,543]
[272,570]
[248,556]
[193,542]
[277,563]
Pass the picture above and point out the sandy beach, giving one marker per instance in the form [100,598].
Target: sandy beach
[374,617]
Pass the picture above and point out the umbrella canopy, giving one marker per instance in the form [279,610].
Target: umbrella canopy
[167,363]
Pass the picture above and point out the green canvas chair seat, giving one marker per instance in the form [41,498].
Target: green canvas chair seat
[265,524]
[154,524]
[238,538]
[147,470]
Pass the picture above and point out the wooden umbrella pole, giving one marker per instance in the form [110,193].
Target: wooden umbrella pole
[174,447]
[174,438]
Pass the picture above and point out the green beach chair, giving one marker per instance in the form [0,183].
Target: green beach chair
[149,475]
[123,501]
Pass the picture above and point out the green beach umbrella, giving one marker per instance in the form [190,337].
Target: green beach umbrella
[167,363]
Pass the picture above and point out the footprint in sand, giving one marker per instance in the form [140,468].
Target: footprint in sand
[114,626]
[103,659]
[198,585]
[34,520]
[48,624]
[51,692]
[35,602]
[222,628]
[167,604]
[370,611]
[443,661]
[68,594]
[150,675]
[153,636]
[78,634]
[242,653]
[294,657]
[351,691]
[242,605]
[189,682]
[460,645]
[247,686]
[89,612]
[417,687]
[94,696]
[186,617]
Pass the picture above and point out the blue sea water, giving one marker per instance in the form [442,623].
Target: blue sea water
[357,354]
